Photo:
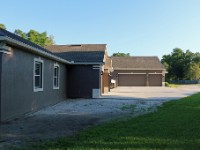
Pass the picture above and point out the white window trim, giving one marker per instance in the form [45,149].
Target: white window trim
[41,61]
[56,87]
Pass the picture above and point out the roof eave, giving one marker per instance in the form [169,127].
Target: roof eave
[139,69]
[88,63]
[33,49]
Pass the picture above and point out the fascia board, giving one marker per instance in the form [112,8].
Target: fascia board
[33,49]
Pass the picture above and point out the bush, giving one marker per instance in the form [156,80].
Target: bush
[170,85]
[167,84]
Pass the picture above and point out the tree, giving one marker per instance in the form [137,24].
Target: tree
[40,39]
[166,61]
[194,72]
[2,26]
[177,64]
[181,65]
[121,54]
[20,33]
[196,57]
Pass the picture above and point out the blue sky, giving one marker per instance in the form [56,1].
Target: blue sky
[138,27]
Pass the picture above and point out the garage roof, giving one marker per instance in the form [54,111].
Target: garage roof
[137,63]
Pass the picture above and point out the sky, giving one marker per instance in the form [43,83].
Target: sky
[138,27]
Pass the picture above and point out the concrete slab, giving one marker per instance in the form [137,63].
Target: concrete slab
[152,93]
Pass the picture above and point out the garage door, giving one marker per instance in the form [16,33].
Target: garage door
[155,80]
[131,79]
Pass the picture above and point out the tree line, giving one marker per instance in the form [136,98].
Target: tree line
[41,39]
[118,54]
[182,65]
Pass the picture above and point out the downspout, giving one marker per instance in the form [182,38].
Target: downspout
[101,85]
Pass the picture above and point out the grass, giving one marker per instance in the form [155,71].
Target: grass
[171,85]
[176,125]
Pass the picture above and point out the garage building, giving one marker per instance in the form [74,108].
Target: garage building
[138,71]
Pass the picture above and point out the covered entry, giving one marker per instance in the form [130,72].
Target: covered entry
[131,79]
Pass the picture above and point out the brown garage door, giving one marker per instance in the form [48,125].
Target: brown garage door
[131,79]
[155,80]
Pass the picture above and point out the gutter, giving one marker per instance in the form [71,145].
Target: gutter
[88,63]
[32,49]
[139,69]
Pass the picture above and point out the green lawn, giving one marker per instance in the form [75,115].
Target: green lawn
[176,125]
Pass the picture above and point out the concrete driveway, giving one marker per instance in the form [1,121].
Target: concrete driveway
[69,117]
[152,93]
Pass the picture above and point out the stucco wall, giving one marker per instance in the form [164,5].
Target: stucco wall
[82,79]
[17,96]
[0,81]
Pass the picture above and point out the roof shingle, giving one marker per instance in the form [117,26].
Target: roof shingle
[80,53]
[77,48]
[148,62]
[86,57]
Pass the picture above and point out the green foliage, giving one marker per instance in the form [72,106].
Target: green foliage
[38,38]
[179,64]
[121,54]
[20,33]
[175,125]
[196,58]
[194,72]
[2,26]
[170,85]
[167,84]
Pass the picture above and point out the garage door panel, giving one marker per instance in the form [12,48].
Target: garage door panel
[131,80]
[155,80]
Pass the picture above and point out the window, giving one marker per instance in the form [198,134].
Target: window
[56,76]
[38,75]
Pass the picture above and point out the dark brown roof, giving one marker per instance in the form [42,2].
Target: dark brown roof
[80,52]
[77,47]
[137,63]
